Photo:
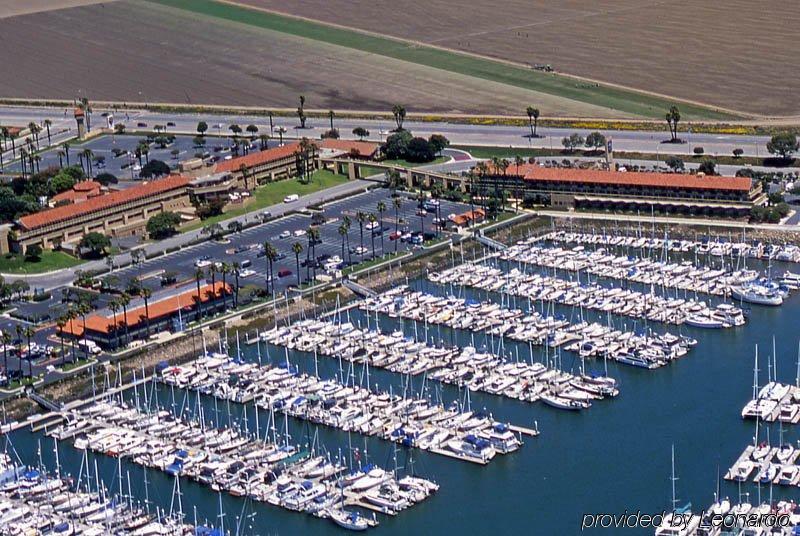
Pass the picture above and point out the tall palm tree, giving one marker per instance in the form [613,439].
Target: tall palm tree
[297,249]
[361,218]
[347,223]
[66,152]
[61,323]
[224,270]
[236,268]
[18,330]
[124,301]
[420,201]
[114,306]
[372,219]
[29,332]
[199,275]
[83,309]
[243,171]
[313,238]
[88,154]
[71,316]
[343,234]
[381,209]
[397,202]
[272,255]
[533,119]
[145,293]
[47,124]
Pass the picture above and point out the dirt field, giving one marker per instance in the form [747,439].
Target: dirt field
[737,54]
[12,8]
[145,52]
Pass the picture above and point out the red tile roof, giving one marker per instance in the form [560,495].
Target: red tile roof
[185,301]
[364,149]
[258,158]
[461,219]
[102,202]
[80,192]
[533,172]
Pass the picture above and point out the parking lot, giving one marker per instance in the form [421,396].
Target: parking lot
[246,249]
[117,154]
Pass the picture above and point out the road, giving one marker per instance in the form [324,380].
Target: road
[464,134]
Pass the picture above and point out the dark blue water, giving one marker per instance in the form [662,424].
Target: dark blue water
[613,457]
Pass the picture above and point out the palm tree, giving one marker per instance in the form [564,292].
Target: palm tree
[87,155]
[272,255]
[313,237]
[236,268]
[381,209]
[420,201]
[145,293]
[124,301]
[518,161]
[361,218]
[297,249]
[66,152]
[399,113]
[224,270]
[6,338]
[18,329]
[114,306]
[533,119]
[61,323]
[83,309]
[397,202]
[348,223]
[243,171]
[47,124]
[29,332]
[343,234]
[330,117]
[199,274]
[263,139]
[372,219]
[61,155]
[71,316]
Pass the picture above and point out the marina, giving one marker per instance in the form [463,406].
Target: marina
[37,502]
[586,339]
[463,367]
[466,435]
[641,305]
[404,337]
[711,246]
[264,469]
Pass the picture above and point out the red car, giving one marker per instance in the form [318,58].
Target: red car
[395,235]
[284,273]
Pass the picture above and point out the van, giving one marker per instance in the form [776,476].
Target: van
[290,198]
[246,263]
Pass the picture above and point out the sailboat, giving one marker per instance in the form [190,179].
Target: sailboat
[680,521]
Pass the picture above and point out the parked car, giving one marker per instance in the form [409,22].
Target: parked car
[395,235]
[284,272]
[285,234]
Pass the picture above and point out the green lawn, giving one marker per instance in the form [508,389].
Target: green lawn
[273,194]
[610,97]
[49,261]
[366,171]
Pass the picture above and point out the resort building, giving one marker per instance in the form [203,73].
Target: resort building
[259,167]
[115,214]
[171,312]
[569,188]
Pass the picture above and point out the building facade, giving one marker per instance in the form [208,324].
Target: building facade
[115,214]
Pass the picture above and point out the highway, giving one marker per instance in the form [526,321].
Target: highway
[462,134]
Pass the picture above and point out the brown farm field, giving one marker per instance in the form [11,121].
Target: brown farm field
[144,52]
[736,54]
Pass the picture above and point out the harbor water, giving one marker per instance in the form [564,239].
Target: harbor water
[612,458]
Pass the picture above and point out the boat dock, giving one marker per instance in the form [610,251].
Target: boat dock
[414,422]
[766,465]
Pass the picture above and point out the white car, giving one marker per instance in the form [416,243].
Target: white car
[372,225]
[290,198]
[285,234]
[246,273]
[300,232]
[201,263]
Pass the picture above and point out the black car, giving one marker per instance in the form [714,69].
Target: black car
[141,125]
[170,124]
